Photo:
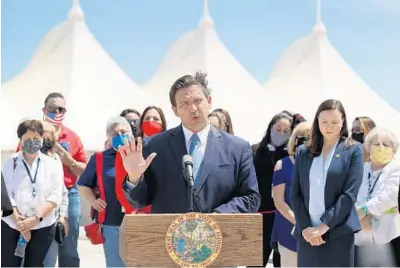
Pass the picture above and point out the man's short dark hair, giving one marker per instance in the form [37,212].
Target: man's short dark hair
[32,125]
[128,111]
[52,95]
[199,79]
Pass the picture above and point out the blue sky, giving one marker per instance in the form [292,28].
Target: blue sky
[138,33]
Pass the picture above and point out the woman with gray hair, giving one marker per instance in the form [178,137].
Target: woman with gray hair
[377,202]
[100,174]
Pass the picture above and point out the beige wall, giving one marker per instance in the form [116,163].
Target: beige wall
[85,206]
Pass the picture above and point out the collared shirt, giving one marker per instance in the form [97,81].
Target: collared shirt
[71,143]
[114,214]
[318,173]
[382,199]
[49,184]
[202,134]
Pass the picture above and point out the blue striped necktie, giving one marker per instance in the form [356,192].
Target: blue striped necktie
[195,153]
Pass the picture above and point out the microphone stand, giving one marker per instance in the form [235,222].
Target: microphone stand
[190,197]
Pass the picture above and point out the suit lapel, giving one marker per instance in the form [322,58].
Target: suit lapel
[306,164]
[209,159]
[336,157]
[177,143]
[308,160]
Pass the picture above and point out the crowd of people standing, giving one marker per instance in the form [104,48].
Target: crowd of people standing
[328,192]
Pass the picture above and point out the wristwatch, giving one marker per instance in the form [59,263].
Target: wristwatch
[39,218]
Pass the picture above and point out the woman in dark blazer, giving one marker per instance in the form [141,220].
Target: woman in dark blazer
[326,179]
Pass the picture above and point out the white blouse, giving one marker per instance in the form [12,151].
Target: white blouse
[317,180]
[382,205]
[49,187]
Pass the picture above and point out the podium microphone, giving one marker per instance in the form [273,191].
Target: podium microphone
[187,164]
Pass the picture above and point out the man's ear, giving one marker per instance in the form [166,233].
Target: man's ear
[175,110]
[209,100]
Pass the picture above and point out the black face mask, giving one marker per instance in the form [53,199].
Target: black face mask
[134,126]
[47,145]
[300,141]
[358,137]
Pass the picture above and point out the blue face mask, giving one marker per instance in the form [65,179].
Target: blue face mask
[119,140]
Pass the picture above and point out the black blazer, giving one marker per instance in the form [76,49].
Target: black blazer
[343,182]
[6,206]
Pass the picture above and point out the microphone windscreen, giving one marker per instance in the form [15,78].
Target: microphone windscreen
[187,160]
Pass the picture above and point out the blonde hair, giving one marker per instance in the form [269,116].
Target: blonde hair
[49,128]
[304,127]
[380,133]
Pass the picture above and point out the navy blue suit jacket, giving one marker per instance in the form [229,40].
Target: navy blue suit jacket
[227,182]
[343,182]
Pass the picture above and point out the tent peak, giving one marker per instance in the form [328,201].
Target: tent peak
[319,27]
[206,20]
[76,12]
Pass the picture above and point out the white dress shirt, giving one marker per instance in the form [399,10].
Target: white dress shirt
[49,187]
[383,198]
[317,180]
[203,135]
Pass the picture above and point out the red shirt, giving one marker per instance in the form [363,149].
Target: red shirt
[72,143]
[75,148]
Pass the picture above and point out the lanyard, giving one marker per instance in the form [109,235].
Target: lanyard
[370,186]
[33,180]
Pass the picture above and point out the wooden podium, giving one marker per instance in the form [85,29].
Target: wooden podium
[145,239]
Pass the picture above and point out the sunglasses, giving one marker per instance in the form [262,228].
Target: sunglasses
[61,110]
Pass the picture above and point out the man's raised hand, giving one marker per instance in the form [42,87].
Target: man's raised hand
[134,163]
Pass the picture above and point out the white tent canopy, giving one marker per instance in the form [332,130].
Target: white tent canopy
[69,60]
[311,71]
[233,88]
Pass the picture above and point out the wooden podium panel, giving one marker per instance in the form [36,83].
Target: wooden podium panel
[143,244]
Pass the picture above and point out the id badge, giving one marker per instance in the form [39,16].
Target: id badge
[374,223]
[32,212]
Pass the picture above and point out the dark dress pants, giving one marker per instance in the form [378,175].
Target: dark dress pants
[395,244]
[36,248]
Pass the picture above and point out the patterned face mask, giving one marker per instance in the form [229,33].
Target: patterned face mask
[31,146]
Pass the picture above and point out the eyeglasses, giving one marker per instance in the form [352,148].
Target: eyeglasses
[134,122]
[61,110]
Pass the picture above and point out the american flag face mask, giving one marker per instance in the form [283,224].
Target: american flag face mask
[55,118]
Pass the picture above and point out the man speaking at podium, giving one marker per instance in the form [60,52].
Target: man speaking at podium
[223,177]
